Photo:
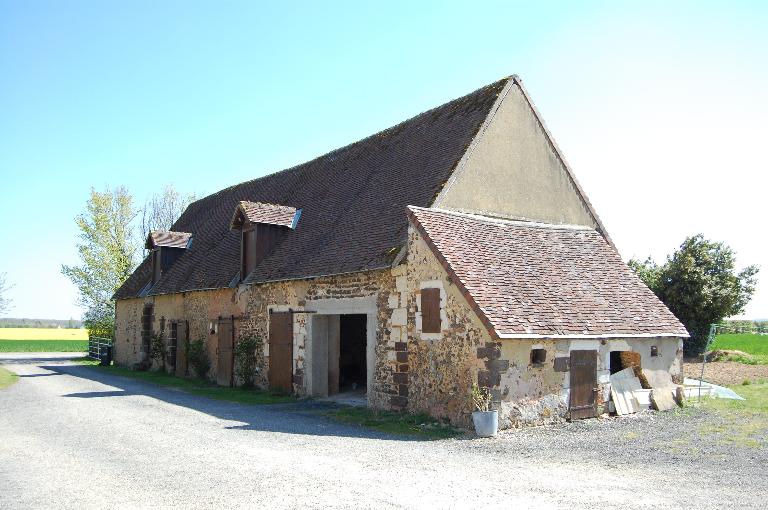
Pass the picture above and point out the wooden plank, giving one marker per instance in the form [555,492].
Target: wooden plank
[623,385]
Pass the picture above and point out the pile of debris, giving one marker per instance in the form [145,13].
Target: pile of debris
[635,389]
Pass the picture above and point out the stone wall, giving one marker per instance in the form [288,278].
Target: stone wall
[251,306]
[409,369]
[441,368]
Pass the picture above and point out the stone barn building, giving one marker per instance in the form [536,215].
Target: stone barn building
[454,248]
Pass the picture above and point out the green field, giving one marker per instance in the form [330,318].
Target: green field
[756,345]
[43,340]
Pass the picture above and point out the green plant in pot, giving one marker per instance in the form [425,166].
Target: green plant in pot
[486,420]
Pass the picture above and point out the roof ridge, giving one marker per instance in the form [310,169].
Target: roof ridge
[504,221]
[360,140]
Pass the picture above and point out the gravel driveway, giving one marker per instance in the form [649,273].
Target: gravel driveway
[73,437]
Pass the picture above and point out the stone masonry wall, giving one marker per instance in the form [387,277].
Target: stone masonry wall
[251,306]
[441,368]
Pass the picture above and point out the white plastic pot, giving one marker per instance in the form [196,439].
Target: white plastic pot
[486,423]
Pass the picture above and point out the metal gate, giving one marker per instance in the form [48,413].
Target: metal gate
[281,351]
[226,354]
[583,402]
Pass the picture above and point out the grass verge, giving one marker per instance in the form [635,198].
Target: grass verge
[43,345]
[419,425]
[7,378]
[743,422]
[195,386]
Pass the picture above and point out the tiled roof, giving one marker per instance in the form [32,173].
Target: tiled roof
[527,279]
[167,238]
[352,202]
[258,212]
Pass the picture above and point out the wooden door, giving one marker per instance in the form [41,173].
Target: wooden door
[583,402]
[226,354]
[181,348]
[281,351]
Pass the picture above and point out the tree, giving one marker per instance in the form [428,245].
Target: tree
[5,302]
[107,251]
[162,210]
[700,285]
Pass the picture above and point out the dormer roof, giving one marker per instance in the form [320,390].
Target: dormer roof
[261,212]
[158,238]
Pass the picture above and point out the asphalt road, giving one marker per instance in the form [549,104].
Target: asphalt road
[73,437]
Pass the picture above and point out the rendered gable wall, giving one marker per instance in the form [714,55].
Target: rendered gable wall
[513,171]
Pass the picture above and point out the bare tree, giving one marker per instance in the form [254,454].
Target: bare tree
[162,210]
[5,302]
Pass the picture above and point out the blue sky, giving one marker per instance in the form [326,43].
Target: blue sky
[659,107]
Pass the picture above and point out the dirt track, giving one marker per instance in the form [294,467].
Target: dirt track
[725,373]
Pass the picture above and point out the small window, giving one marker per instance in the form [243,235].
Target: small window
[538,356]
[430,311]
[654,351]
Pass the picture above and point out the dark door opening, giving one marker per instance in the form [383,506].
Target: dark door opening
[624,359]
[353,373]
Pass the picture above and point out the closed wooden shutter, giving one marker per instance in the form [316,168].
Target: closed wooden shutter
[430,310]
[249,254]
[156,265]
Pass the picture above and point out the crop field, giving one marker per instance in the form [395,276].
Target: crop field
[756,345]
[43,340]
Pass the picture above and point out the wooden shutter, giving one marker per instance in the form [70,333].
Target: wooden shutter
[156,265]
[430,310]
[249,254]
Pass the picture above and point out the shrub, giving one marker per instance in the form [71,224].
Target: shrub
[157,349]
[481,398]
[197,355]
[245,358]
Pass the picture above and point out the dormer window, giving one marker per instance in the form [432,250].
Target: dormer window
[262,226]
[165,248]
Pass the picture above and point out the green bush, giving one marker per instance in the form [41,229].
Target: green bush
[197,355]
[157,349]
[245,358]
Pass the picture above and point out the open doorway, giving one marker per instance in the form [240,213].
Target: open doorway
[620,360]
[353,374]
[339,359]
